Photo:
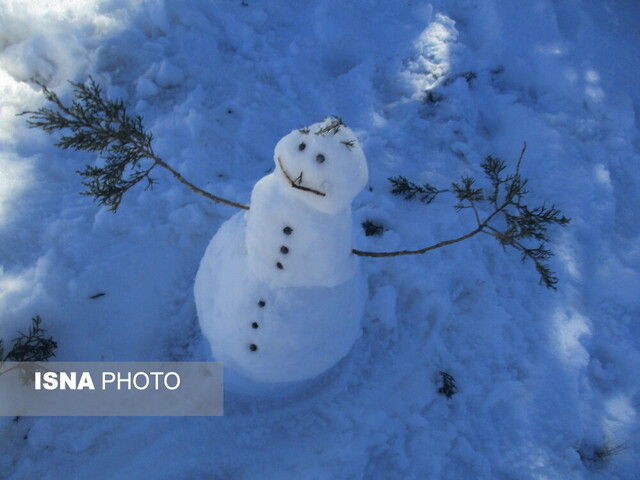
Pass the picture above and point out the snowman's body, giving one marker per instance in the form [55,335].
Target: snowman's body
[279,294]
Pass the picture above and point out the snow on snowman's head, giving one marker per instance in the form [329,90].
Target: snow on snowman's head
[322,165]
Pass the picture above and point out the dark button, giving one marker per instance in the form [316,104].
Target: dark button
[287,230]
[279,265]
[302,146]
[262,303]
[254,325]
[284,249]
[253,347]
[320,158]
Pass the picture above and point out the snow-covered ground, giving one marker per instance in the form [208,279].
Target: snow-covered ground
[546,379]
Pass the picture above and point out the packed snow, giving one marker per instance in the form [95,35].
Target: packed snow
[279,294]
[305,207]
[547,382]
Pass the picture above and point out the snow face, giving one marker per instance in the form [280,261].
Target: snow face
[299,224]
[322,165]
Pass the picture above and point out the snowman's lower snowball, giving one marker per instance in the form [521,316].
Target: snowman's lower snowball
[297,334]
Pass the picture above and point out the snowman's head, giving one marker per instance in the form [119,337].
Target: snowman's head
[323,165]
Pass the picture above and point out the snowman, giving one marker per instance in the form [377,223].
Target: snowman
[279,294]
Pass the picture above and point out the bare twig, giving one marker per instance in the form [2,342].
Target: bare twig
[478,229]
[195,189]
[420,251]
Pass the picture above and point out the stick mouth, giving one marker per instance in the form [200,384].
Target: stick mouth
[297,183]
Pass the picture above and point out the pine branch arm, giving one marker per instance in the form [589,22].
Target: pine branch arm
[93,124]
[520,224]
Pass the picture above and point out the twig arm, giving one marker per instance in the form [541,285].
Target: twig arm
[419,251]
[195,189]
[519,222]
[104,126]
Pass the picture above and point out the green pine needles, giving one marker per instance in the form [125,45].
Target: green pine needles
[333,127]
[33,346]
[448,388]
[93,124]
[509,220]
[103,126]
[425,193]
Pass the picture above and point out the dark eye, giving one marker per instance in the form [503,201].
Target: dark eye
[320,158]
[302,146]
